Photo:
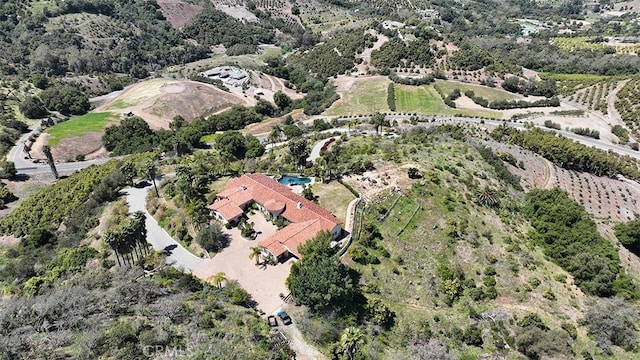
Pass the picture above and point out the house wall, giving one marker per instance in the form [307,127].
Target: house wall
[336,231]
[217,215]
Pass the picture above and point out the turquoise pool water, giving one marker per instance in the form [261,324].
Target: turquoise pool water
[294,180]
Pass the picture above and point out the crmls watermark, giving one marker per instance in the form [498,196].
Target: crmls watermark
[170,351]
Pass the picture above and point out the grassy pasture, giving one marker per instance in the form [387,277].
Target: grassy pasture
[366,96]
[418,99]
[425,100]
[138,94]
[77,126]
[488,93]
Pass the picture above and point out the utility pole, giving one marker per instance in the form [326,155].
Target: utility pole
[47,152]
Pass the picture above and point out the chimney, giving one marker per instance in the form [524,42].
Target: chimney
[299,205]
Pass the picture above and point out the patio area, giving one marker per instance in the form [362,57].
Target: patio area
[264,283]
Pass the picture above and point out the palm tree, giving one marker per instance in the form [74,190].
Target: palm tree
[319,167]
[270,259]
[351,339]
[47,152]
[487,196]
[255,253]
[128,170]
[218,279]
[140,230]
[150,168]
[112,239]
[378,120]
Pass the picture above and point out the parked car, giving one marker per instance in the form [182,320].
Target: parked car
[284,317]
[272,321]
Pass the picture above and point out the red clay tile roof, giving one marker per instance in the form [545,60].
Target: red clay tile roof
[307,218]
[239,194]
[228,209]
[274,205]
[291,237]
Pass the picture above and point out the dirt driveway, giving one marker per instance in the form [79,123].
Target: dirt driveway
[263,283]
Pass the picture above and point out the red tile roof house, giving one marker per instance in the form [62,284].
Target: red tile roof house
[306,219]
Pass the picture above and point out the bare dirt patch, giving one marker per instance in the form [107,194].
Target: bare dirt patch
[9,240]
[344,83]
[385,176]
[272,85]
[464,102]
[535,171]
[590,121]
[178,13]
[238,12]
[159,101]
[68,148]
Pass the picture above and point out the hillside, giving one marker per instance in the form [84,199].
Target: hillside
[481,157]
[450,253]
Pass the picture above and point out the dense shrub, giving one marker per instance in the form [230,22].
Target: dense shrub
[391,97]
[570,238]
[569,154]
[613,322]
[212,238]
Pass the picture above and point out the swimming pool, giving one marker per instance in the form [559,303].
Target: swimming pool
[294,180]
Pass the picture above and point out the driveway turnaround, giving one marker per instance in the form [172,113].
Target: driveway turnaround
[177,256]
[265,283]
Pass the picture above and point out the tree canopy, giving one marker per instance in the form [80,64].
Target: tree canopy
[319,279]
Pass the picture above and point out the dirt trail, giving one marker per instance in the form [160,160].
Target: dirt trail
[297,343]
[550,172]
[614,115]
[366,54]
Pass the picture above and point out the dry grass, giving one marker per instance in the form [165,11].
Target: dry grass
[361,96]
[333,197]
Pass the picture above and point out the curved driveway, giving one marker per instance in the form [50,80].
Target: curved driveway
[178,256]
[28,167]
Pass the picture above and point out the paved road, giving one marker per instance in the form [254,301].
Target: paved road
[28,167]
[16,154]
[315,152]
[178,257]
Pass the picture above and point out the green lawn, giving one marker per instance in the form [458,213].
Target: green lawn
[422,100]
[366,96]
[491,94]
[426,101]
[208,139]
[77,126]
